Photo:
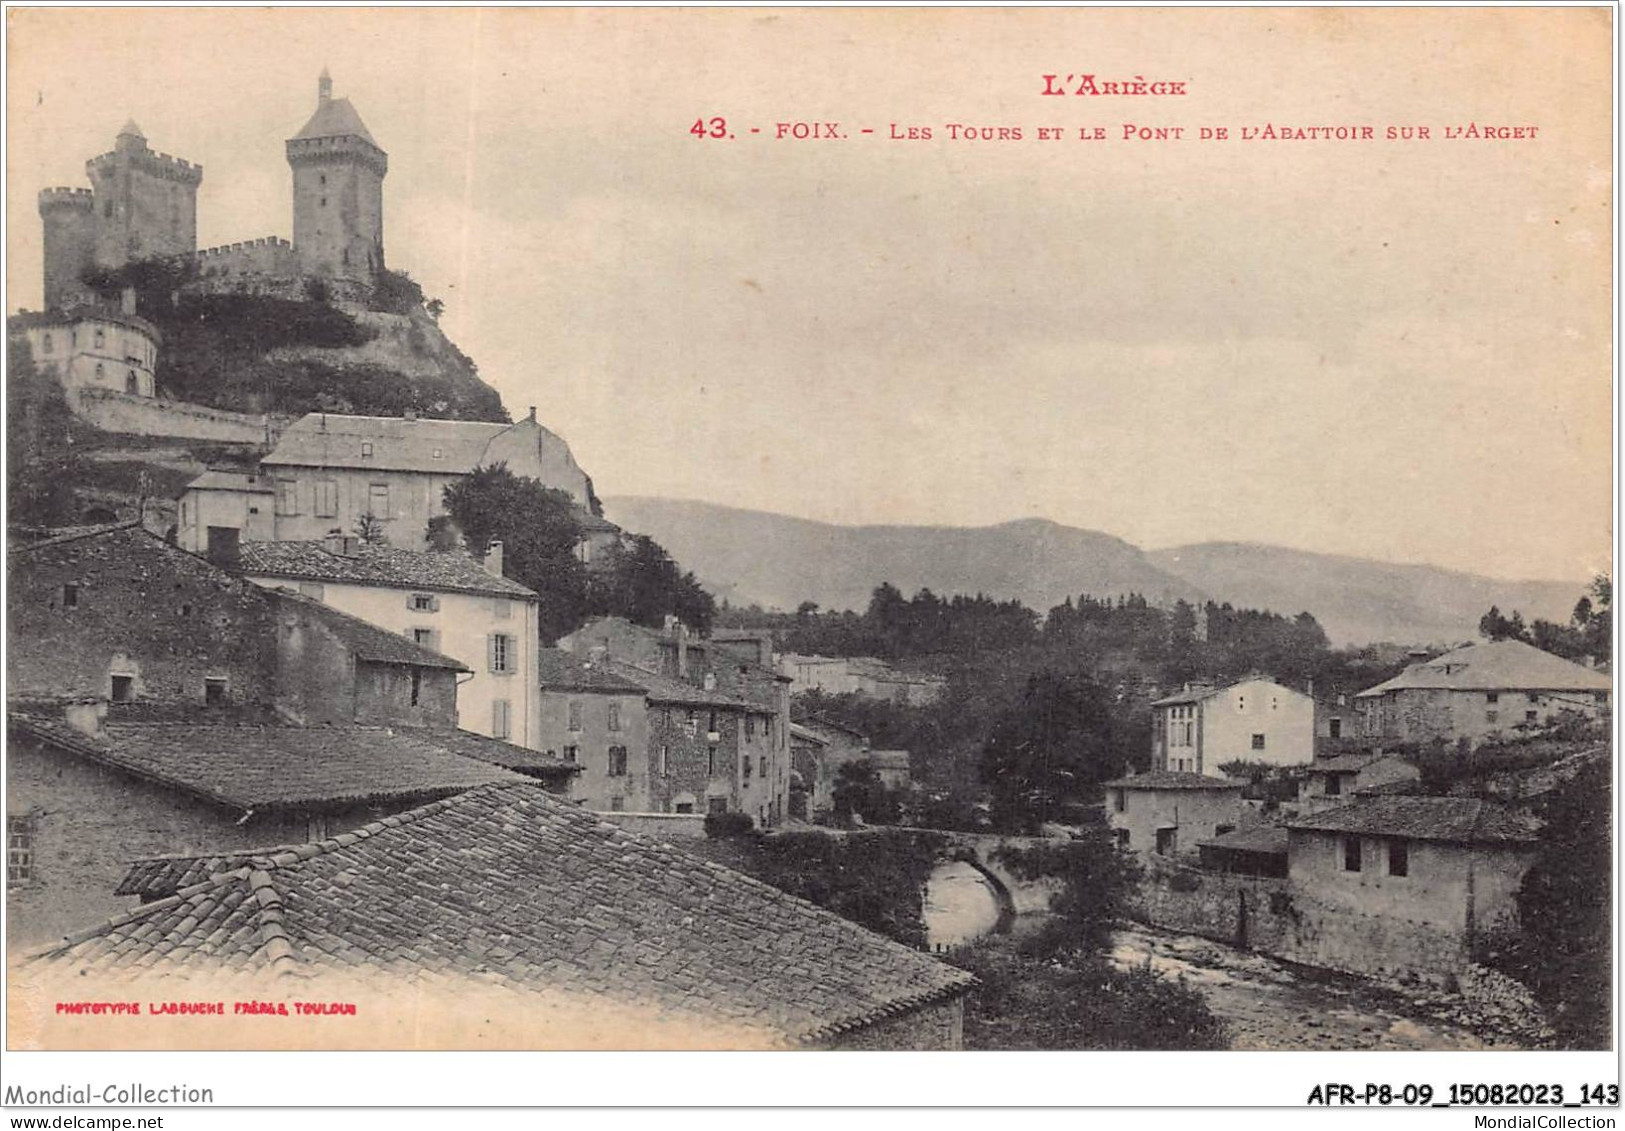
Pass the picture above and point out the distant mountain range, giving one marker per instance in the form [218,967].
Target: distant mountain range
[756,557]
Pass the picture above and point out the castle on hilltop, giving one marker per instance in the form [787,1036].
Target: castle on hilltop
[143,205]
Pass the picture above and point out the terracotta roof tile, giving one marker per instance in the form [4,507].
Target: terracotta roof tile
[448,571]
[275,767]
[1462,820]
[1172,779]
[515,887]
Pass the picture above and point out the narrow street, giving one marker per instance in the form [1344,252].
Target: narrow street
[1270,1005]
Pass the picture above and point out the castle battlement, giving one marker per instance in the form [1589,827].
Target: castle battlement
[64,197]
[148,161]
[309,150]
[227,249]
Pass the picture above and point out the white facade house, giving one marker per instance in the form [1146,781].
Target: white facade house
[448,602]
[1257,720]
[225,500]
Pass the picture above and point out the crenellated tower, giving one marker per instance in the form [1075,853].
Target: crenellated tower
[69,218]
[145,202]
[338,191]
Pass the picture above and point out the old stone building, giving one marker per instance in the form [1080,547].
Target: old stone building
[1202,728]
[328,471]
[1480,692]
[586,933]
[719,722]
[598,721]
[446,602]
[1167,813]
[93,347]
[89,792]
[143,205]
[824,746]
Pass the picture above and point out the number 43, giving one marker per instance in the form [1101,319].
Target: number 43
[716,127]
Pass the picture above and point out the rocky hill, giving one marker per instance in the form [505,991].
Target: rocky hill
[291,355]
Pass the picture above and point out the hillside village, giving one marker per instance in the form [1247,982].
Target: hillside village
[323,664]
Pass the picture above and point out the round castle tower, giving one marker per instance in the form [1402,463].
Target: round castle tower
[338,191]
[69,217]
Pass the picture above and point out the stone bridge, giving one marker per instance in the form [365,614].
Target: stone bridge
[1016,895]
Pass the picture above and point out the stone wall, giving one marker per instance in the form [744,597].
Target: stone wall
[935,1027]
[143,416]
[1252,912]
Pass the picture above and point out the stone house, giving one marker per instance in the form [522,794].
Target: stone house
[89,791]
[445,601]
[1396,885]
[891,766]
[1168,813]
[237,505]
[862,675]
[1478,693]
[709,752]
[329,470]
[599,721]
[827,747]
[1335,781]
[691,682]
[1202,728]
[572,931]
[115,613]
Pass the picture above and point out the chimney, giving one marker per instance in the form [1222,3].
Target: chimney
[493,558]
[333,541]
[679,633]
[126,300]
[88,717]
[532,416]
[224,549]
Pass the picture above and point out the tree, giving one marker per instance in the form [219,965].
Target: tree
[370,529]
[859,790]
[1058,744]
[640,582]
[538,529]
[1563,951]
[41,462]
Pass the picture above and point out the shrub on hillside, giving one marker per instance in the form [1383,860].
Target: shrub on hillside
[720,826]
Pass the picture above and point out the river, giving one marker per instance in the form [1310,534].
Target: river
[959,906]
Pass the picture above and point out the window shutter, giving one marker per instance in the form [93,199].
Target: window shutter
[491,653]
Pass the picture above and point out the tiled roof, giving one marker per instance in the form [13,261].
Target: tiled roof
[73,533]
[820,725]
[513,887]
[1270,839]
[1342,764]
[797,731]
[335,118]
[368,641]
[1462,820]
[449,571]
[1172,779]
[1498,665]
[397,444]
[563,671]
[520,759]
[154,877]
[236,481]
[666,689]
[1193,695]
[275,767]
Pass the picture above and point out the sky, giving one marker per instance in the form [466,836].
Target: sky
[1390,349]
